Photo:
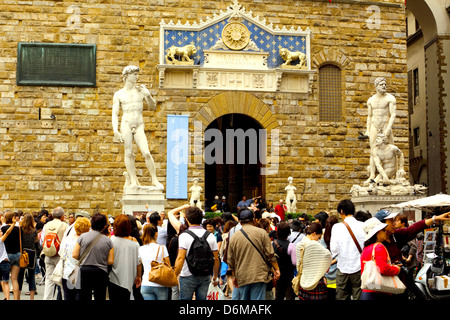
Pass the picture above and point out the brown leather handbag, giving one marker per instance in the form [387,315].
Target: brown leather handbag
[24,258]
[161,272]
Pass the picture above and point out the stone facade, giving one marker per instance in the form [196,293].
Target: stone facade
[57,142]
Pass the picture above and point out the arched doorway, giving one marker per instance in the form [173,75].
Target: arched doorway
[234,145]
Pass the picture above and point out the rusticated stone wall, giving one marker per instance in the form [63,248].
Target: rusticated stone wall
[72,161]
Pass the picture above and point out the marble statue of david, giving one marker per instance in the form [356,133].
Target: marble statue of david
[130,99]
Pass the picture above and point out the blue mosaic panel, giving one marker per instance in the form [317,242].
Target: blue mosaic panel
[207,37]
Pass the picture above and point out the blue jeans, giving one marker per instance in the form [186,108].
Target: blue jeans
[251,291]
[155,293]
[194,284]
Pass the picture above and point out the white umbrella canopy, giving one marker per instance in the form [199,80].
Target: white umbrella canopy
[428,203]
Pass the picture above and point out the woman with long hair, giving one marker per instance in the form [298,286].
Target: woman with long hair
[29,241]
[152,251]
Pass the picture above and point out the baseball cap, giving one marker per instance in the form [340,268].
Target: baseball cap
[384,215]
[246,214]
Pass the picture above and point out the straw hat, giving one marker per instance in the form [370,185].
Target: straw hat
[372,226]
[316,262]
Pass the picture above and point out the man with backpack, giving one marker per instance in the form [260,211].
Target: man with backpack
[51,237]
[197,259]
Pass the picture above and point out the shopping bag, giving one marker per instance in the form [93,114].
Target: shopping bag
[372,279]
[58,272]
[214,293]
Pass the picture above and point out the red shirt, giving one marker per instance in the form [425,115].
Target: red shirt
[279,210]
[381,260]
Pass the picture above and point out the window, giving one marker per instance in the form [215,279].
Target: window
[416,137]
[330,93]
[416,86]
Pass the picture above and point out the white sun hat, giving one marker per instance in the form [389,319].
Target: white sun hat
[372,226]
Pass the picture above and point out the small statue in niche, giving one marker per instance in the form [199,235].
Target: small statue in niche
[195,194]
[291,199]
[290,56]
[183,53]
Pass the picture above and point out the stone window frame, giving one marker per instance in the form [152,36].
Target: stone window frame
[330,93]
[338,59]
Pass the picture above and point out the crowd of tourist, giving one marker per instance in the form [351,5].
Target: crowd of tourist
[255,254]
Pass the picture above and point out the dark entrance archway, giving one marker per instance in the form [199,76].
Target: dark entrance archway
[232,159]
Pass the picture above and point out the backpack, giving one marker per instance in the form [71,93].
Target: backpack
[51,243]
[200,258]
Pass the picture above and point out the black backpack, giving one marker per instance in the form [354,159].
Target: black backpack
[200,258]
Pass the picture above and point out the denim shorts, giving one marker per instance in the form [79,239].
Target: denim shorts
[14,259]
[5,269]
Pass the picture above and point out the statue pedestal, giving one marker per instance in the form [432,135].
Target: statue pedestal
[134,200]
[373,203]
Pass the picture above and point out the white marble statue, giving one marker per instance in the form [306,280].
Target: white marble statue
[387,175]
[196,191]
[130,99]
[389,162]
[291,199]
[381,113]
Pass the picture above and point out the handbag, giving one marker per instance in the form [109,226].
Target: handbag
[58,272]
[73,277]
[161,272]
[296,279]
[24,259]
[372,279]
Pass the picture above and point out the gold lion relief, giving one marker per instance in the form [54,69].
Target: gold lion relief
[183,53]
[289,56]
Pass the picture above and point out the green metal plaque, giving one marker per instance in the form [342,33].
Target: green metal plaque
[56,64]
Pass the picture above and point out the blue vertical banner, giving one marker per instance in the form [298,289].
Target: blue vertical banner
[177,156]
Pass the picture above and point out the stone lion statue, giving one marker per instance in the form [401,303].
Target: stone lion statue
[183,52]
[289,56]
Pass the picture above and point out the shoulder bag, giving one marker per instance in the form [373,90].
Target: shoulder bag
[262,256]
[73,277]
[353,236]
[372,279]
[296,279]
[161,272]
[24,258]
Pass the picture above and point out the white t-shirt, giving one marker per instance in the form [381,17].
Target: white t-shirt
[185,241]
[3,253]
[147,254]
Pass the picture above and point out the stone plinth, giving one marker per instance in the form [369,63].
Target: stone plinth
[373,203]
[134,200]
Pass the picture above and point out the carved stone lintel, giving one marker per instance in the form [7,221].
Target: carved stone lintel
[181,63]
[293,67]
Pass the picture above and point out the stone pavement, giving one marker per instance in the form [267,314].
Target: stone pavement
[23,294]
